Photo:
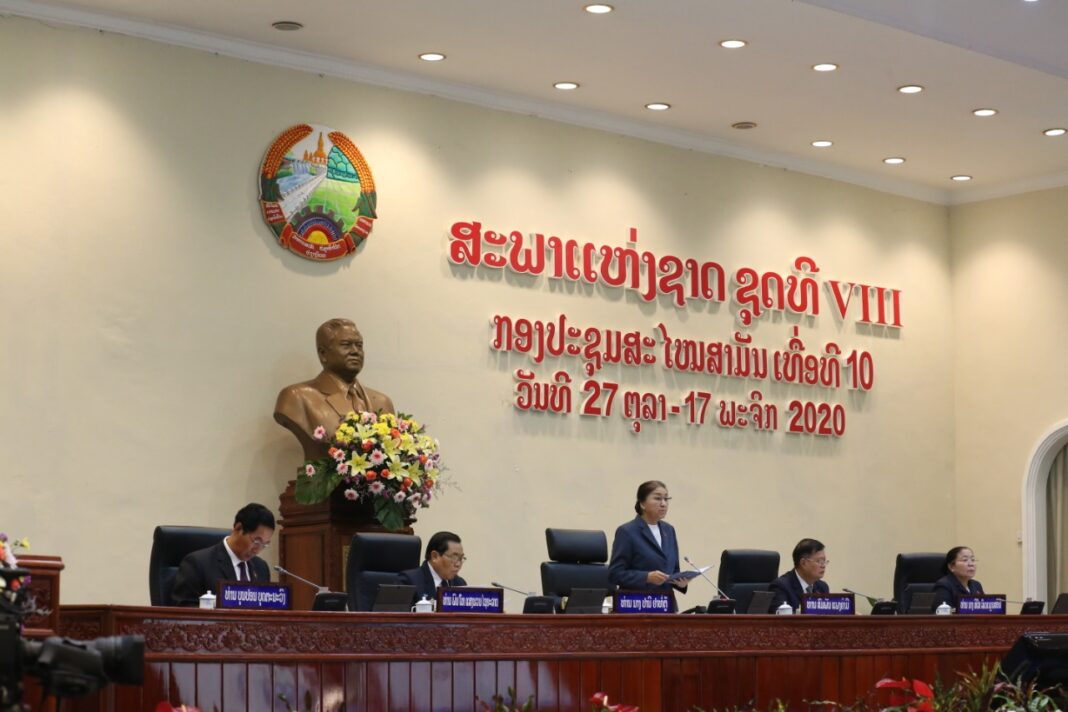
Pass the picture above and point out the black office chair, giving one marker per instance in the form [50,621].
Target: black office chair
[170,544]
[916,573]
[742,571]
[578,559]
[375,559]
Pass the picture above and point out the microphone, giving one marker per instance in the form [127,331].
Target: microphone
[514,590]
[872,600]
[321,589]
[702,573]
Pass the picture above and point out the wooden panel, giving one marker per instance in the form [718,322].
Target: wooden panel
[526,679]
[260,687]
[234,687]
[332,678]
[355,687]
[309,686]
[400,681]
[377,686]
[486,680]
[285,683]
[209,686]
[183,688]
[547,681]
[441,686]
[463,685]
[569,684]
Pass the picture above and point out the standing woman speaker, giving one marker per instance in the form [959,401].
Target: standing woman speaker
[645,550]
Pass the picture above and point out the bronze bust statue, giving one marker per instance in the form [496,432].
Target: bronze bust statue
[327,398]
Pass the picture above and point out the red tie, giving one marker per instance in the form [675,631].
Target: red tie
[244,570]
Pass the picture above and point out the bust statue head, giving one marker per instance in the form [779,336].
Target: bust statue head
[340,347]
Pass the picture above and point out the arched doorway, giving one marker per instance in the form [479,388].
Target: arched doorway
[1034,514]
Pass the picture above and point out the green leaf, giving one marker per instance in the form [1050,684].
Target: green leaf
[389,514]
[315,489]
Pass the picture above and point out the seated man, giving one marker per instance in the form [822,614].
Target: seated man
[232,559]
[444,557]
[810,565]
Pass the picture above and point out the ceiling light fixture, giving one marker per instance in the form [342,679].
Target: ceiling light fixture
[566,86]
[733,44]
[658,106]
[961,178]
[431,56]
[1054,132]
[744,125]
[825,67]
[823,144]
[287,25]
[893,161]
[598,9]
[910,89]
[985,112]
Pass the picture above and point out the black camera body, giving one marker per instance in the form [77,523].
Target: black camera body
[65,667]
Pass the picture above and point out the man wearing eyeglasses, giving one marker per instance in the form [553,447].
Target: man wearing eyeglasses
[235,558]
[810,565]
[444,558]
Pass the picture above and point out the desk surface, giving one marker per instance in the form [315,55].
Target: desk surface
[240,660]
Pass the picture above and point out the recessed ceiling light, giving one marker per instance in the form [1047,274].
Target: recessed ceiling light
[598,9]
[894,160]
[985,112]
[566,86]
[825,67]
[733,44]
[822,144]
[961,178]
[744,125]
[287,25]
[431,56]
[658,106]
[910,89]
[1055,132]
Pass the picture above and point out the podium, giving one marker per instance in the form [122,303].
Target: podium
[314,539]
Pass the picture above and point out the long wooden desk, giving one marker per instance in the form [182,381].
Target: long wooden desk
[370,662]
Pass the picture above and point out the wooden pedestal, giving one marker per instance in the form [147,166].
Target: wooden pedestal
[44,587]
[314,540]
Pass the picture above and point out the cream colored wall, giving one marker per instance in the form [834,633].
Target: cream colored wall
[1010,257]
[149,319]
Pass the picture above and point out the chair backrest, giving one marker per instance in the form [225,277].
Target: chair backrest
[917,568]
[743,571]
[375,559]
[170,544]
[578,559]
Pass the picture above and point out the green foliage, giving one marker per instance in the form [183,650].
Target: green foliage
[500,705]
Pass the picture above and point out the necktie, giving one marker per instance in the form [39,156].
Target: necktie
[808,589]
[243,569]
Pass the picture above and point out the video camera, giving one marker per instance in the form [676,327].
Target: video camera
[66,668]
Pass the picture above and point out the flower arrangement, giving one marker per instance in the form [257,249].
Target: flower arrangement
[385,459]
[11,587]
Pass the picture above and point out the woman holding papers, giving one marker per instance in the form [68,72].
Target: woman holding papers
[959,579]
[645,552]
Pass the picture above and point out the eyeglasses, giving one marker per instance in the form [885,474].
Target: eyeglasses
[457,558]
[820,562]
[258,543]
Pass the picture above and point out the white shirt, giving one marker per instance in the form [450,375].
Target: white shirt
[437,579]
[805,586]
[236,561]
[655,530]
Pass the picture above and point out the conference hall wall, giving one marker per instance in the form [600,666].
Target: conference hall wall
[149,319]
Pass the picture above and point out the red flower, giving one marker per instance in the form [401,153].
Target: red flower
[385,473]
[394,433]
[370,475]
[917,694]
[367,445]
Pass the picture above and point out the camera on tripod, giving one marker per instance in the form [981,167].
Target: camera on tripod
[65,668]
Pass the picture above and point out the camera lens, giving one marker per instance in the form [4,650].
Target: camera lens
[122,657]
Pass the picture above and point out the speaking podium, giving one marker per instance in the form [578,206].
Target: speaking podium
[314,539]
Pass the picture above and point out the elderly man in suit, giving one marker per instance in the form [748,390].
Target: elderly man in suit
[329,397]
[232,559]
[444,557]
[810,565]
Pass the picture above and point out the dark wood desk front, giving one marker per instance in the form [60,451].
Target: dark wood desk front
[370,662]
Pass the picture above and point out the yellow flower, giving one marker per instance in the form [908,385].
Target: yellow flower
[382,428]
[359,464]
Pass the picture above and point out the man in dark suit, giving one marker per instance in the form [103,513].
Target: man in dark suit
[810,565]
[232,559]
[444,558]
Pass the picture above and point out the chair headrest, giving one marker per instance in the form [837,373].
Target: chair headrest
[747,566]
[923,567]
[577,546]
[171,543]
[373,551]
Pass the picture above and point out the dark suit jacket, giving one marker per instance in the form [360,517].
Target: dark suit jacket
[423,581]
[948,589]
[635,553]
[201,570]
[788,588]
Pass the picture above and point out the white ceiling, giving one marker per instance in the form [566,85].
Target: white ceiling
[1006,54]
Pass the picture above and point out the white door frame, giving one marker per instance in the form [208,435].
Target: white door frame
[1034,509]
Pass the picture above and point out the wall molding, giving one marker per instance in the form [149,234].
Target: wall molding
[1034,509]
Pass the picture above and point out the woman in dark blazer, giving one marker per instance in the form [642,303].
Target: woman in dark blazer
[959,579]
[645,551]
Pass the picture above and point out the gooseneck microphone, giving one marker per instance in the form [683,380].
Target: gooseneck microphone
[871,599]
[321,589]
[702,573]
[513,590]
